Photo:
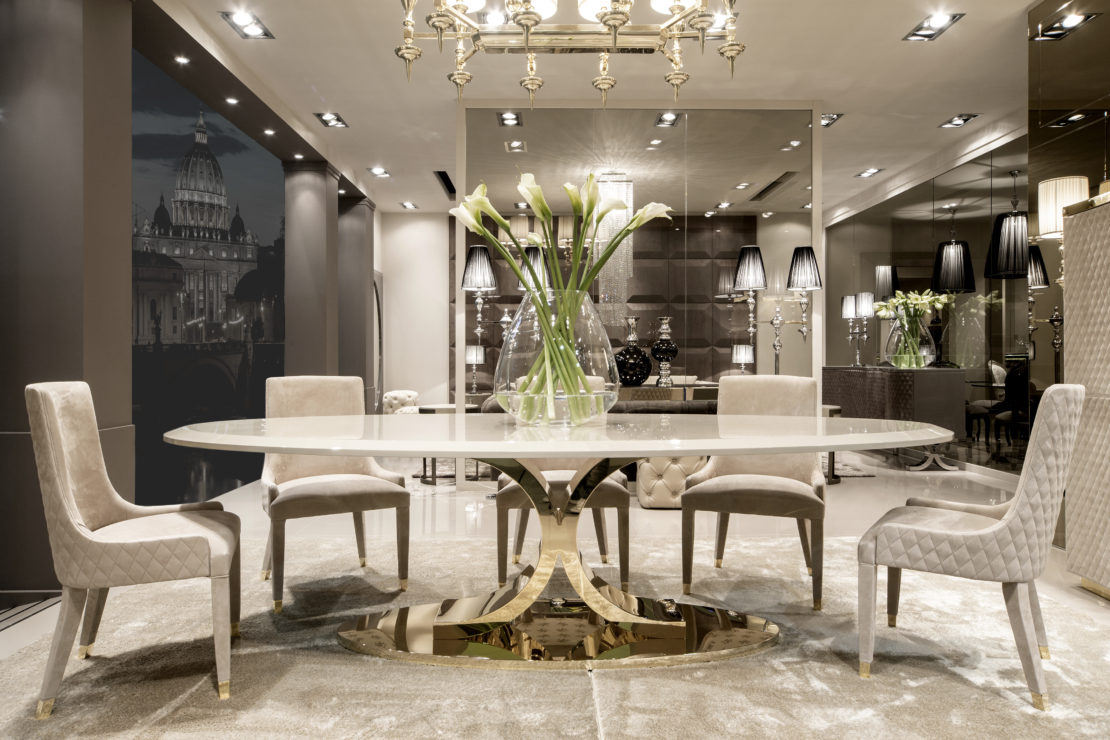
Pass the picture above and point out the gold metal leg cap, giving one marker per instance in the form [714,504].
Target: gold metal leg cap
[686,588]
[1040,701]
[500,584]
[277,607]
[516,559]
[265,575]
[717,563]
[891,620]
[46,706]
[1044,653]
[235,629]
[817,605]
[224,688]
[624,586]
[809,571]
[362,562]
[404,584]
[84,651]
[865,670]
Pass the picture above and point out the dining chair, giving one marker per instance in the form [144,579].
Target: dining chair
[297,486]
[1007,543]
[610,493]
[786,485]
[100,541]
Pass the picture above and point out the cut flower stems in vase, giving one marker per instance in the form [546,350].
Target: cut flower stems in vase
[557,366]
[909,311]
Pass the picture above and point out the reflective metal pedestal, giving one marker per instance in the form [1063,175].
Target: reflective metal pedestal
[518,625]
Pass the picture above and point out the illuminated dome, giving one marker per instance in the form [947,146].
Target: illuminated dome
[200,198]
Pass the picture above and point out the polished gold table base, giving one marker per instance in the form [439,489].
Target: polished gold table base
[540,620]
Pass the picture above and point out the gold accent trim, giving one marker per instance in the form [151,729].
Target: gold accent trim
[1096,588]
[717,563]
[404,584]
[235,629]
[809,571]
[1044,653]
[84,651]
[362,562]
[685,588]
[865,670]
[1040,701]
[516,559]
[891,620]
[277,607]
[265,575]
[224,688]
[605,559]
[817,605]
[44,708]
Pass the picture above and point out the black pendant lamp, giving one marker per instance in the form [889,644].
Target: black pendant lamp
[1008,255]
[886,282]
[952,270]
[1038,273]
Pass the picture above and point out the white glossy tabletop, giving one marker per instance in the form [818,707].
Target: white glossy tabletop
[497,436]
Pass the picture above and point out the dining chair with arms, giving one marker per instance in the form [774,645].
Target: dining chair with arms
[1008,543]
[100,541]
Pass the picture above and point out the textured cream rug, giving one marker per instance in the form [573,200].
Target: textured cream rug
[949,670]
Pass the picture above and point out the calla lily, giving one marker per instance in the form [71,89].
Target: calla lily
[534,238]
[533,196]
[575,199]
[590,195]
[647,213]
[608,205]
[468,219]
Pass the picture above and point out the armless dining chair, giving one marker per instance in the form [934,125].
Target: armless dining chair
[297,486]
[786,485]
[1008,543]
[100,541]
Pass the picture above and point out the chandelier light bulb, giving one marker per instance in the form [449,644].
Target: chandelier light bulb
[495,18]
[589,9]
[664,6]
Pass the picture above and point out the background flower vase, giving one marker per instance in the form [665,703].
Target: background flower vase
[633,363]
[910,345]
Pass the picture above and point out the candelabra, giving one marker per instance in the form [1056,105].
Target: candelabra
[804,276]
[777,322]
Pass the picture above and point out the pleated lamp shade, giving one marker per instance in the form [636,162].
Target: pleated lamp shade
[804,274]
[534,255]
[743,354]
[1053,196]
[478,273]
[1008,254]
[848,307]
[475,354]
[725,281]
[750,274]
[1038,274]
[952,270]
[886,281]
[865,305]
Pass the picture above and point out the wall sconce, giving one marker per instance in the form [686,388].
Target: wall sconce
[804,277]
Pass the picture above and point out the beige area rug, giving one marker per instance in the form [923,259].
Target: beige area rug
[949,670]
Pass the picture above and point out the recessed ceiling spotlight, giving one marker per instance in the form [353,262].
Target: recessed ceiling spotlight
[870,172]
[298,156]
[408,205]
[655,142]
[667,119]
[767,214]
[828,119]
[516,146]
[795,143]
[232,101]
[509,118]
[808,206]
[949,206]
[378,171]
[1067,120]
[933,26]
[269,131]
[331,120]
[959,120]
[723,204]
[710,213]
[786,148]
[809,187]
[521,206]
[342,191]
[246,24]
[181,59]
[1062,26]
[651,148]
[743,186]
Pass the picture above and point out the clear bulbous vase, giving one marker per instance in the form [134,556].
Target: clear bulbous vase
[556,366]
[910,345]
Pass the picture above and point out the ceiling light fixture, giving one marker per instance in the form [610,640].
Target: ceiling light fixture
[521,206]
[331,120]
[743,186]
[232,101]
[516,146]
[959,120]
[408,205]
[1067,120]
[667,120]
[767,214]
[342,191]
[510,118]
[268,131]
[378,171]
[246,24]
[828,119]
[608,32]
[655,142]
[723,204]
[1062,26]
[298,156]
[870,172]
[933,26]
[181,59]
[808,206]
[710,213]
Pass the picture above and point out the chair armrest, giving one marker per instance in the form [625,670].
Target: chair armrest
[709,470]
[134,510]
[817,480]
[994,511]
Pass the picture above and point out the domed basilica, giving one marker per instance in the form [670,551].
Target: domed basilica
[188,259]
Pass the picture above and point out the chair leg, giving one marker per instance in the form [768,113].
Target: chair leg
[268,558]
[803,535]
[277,544]
[817,527]
[722,534]
[94,609]
[622,545]
[360,536]
[521,528]
[868,580]
[73,601]
[893,591]
[1038,620]
[687,547]
[602,534]
[502,545]
[1021,620]
[221,633]
[403,547]
[234,579]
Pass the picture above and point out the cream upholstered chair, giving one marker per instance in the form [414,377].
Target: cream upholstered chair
[789,485]
[1008,543]
[611,492]
[100,541]
[394,401]
[296,486]
[661,481]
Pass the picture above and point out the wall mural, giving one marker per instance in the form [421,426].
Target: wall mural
[208,274]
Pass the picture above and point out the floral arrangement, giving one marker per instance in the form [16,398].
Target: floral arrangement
[556,371]
[909,311]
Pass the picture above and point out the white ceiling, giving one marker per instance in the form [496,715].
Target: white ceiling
[338,55]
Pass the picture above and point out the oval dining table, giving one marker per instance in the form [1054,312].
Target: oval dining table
[557,611]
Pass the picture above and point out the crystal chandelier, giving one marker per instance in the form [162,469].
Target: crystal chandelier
[612,282]
[521,30]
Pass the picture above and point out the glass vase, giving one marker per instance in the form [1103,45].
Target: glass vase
[910,345]
[556,365]
[633,362]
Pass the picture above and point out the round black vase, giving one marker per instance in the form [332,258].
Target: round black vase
[664,350]
[633,365]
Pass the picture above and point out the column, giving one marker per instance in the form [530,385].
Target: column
[311,269]
[65,263]
[357,333]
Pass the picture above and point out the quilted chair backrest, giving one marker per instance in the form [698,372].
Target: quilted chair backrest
[778,395]
[313,395]
[1028,527]
[393,400]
